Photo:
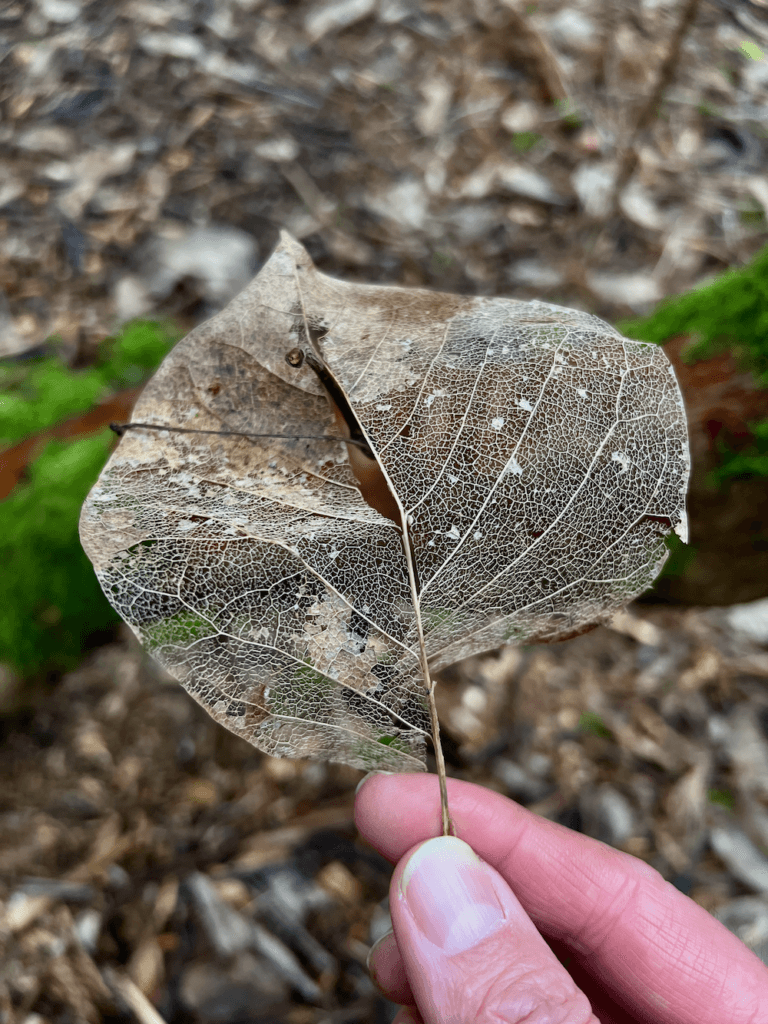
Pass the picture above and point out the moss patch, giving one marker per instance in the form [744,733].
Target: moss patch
[51,605]
[731,313]
[750,461]
[40,393]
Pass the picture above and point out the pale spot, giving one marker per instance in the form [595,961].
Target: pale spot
[581,392]
[477,535]
[513,466]
[384,408]
[525,404]
[623,461]
[497,422]
[453,533]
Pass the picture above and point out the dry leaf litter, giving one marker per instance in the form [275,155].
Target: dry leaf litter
[151,863]
[150,151]
[151,859]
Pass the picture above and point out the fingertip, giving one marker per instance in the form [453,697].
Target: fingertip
[380,795]
[367,777]
[468,947]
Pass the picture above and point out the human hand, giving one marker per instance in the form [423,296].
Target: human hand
[467,943]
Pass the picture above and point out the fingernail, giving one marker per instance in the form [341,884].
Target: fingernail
[450,894]
[365,778]
[370,959]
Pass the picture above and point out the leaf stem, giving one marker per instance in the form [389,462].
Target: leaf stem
[429,683]
[337,393]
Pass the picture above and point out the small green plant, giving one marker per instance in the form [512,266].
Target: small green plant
[752,50]
[441,260]
[51,604]
[591,722]
[722,797]
[752,215]
[525,141]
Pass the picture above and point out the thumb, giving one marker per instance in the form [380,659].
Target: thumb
[469,949]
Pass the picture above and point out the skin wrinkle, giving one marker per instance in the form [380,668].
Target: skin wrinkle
[607,918]
[691,958]
[661,929]
[571,875]
[486,1012]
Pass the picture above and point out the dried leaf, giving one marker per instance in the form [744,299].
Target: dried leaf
[537,457]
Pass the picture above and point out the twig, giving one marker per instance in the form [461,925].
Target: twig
[133,997]
[664,76]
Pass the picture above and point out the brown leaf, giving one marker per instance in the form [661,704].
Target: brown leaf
[527,459]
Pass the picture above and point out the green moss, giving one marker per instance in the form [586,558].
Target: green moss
[750,461]
[395,742]
[513,633]
[730,313]
[441,260]
[42,394]
[51,604]
[437,619]
[680,556]
[179,630]
[38,394]
[311,683]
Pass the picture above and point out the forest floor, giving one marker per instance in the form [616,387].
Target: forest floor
[146,853]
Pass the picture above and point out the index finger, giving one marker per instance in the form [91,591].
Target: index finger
[646,942]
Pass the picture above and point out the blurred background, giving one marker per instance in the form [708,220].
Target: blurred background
[608,156]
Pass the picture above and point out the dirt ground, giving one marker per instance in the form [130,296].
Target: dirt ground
[150,859]
[595,155]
